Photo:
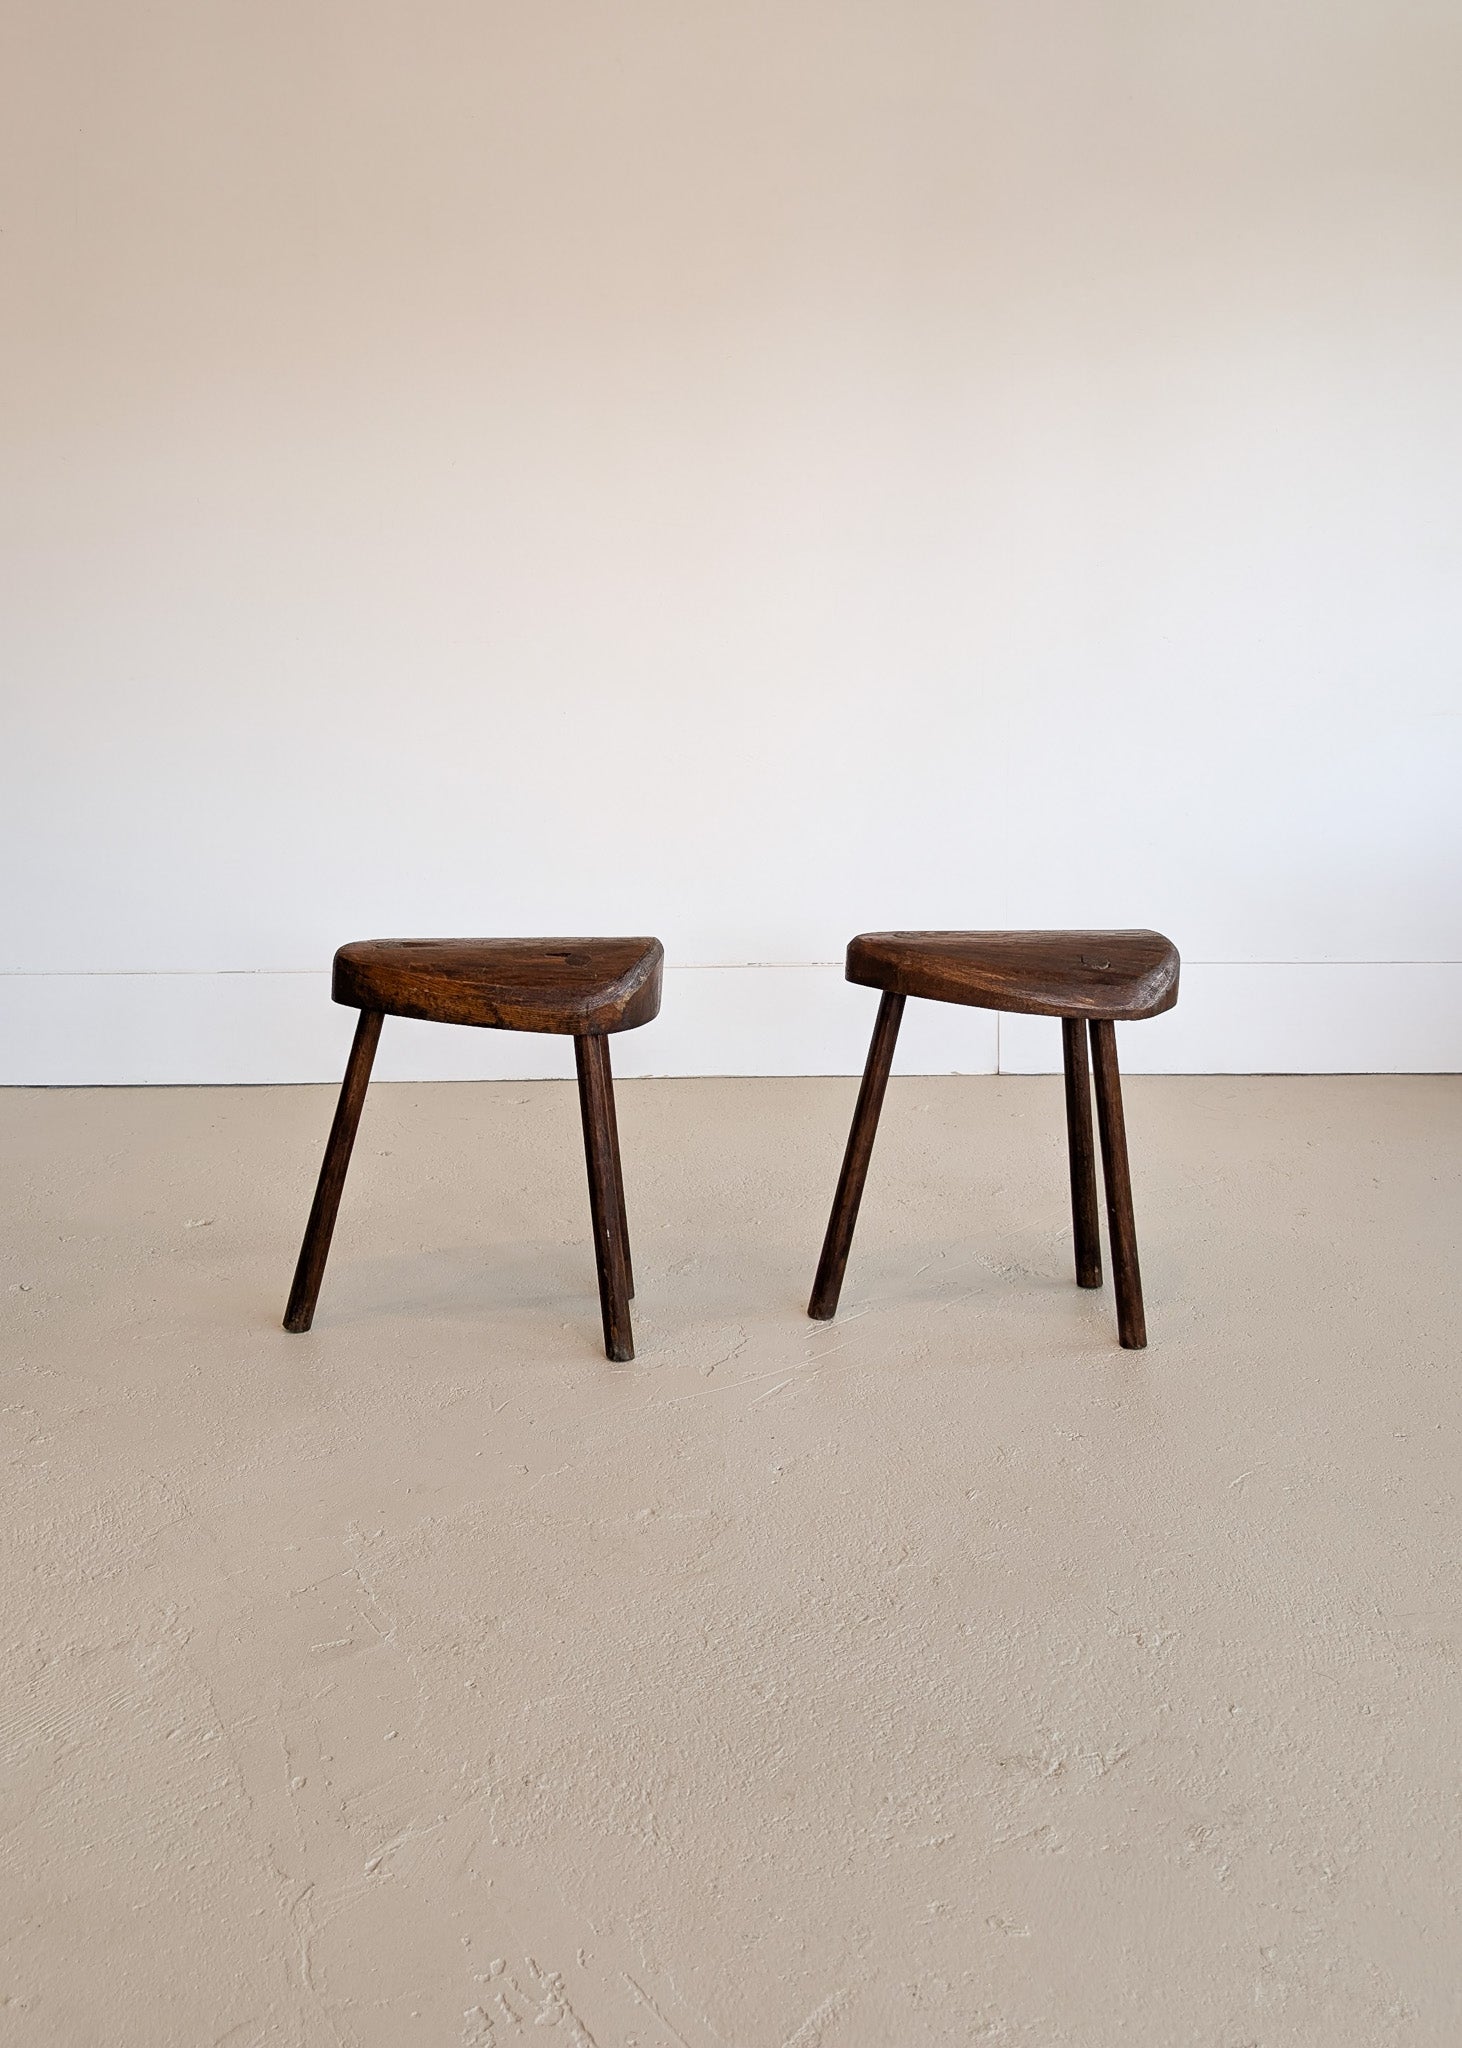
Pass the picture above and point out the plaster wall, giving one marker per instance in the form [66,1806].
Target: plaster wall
[750,473]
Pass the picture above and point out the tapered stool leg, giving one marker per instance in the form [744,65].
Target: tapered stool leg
[622,1219]
[606,1193]
[1085,1226]
[829,1282]
[318,1231]
[1121,1230]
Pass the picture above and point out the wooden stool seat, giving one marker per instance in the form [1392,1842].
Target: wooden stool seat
[561,985]
[1091,981]
[584,988]
[1040,974]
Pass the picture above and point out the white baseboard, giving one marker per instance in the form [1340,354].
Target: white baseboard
[101,1030]
[78,1030]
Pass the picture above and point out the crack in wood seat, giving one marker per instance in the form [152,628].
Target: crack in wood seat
[573,986]
[1116,975]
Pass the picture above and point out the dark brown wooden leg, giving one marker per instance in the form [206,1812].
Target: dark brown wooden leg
[622,1218]
[606,1195]
[1083,1156]
[829,1282]
[1121,1230]
[318,1231]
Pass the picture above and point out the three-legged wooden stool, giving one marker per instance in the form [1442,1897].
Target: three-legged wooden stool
[583,987]
[1087,979]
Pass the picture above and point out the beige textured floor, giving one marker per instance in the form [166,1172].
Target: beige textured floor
[940,1675]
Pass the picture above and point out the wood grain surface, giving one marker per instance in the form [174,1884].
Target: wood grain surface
[1041,974]
[557,985]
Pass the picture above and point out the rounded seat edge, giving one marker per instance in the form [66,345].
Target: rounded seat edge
[1116,976]
[505,984]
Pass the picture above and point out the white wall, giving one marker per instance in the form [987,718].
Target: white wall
[748,470]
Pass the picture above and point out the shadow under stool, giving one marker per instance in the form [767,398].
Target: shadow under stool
[1091,981]
[584,988]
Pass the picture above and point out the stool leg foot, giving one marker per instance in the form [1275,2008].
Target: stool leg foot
[1079,1146]
[1121,1230]
[606,1193]
[318,1231]
[829,1282]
